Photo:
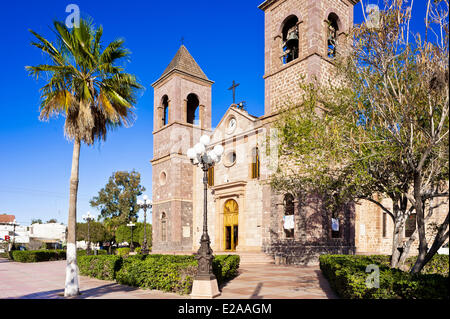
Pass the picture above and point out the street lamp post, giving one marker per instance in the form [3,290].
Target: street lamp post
[205,283]
[145,204]
[88,217]
[131,245]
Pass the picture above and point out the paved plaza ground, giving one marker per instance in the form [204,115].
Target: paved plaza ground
[45,280]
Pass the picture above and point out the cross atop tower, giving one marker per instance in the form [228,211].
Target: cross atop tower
[233,87]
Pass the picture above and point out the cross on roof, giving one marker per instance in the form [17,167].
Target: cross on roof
[233,87]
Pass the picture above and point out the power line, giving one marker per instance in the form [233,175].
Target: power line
[30,191]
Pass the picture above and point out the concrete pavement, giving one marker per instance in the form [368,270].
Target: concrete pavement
[45,280]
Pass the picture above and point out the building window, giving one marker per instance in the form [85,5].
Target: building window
[332,36]
[410,225]
[255,163]
[192,110]
[163,227]
[290,40]
[335,228]
[165,106]
[230,158]
[288,217]
[211,176]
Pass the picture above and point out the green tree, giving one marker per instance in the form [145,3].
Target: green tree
[52,220]
[98,232]
[85,84]
[384,131]
[36,221]
[123,234]
[117,201]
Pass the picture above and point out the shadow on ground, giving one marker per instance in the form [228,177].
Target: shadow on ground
[96,292]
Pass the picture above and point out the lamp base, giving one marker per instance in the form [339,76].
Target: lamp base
[205,289]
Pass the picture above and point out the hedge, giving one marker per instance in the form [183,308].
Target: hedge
[31,256]
[171,273]
[102,267]
[82,252]
[347,276]
[158,273]
[123,251]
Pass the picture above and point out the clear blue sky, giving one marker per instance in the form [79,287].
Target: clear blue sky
[225,37]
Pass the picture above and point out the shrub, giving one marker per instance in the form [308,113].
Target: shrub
[157,273]
[172,273]
[101,267]
[123,251]
[347,276]
[31,256]
[82,252]
[225,267]
[439,264]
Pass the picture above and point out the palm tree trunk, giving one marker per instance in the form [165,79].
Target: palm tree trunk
[72,287]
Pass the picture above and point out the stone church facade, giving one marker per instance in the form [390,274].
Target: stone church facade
[244,213]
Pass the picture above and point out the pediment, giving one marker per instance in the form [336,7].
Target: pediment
[244,122]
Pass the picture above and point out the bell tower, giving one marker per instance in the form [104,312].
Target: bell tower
[302,37]
[182,113]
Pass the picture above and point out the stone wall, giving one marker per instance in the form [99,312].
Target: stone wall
[282,80]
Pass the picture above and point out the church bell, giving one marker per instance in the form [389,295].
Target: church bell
[292,37]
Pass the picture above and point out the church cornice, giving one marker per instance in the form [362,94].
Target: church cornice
[189,125]
[168,75]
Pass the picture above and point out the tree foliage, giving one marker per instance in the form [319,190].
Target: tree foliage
[97,232]
[123,234]
[118,199]
[383,131]
[86,84]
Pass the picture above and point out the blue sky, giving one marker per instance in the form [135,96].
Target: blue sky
[225,37]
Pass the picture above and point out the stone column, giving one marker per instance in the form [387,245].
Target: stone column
[298,233]
[184,111]
[202,116]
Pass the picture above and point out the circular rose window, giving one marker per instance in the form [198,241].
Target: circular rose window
[230,158]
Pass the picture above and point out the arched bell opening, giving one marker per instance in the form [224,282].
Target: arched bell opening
[165,110]
[332,37]
[193,109]
[290,37]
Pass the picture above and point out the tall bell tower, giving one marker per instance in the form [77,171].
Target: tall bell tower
[182,113]
[302,37]
[302,40]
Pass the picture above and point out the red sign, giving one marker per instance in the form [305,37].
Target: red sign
[7,238]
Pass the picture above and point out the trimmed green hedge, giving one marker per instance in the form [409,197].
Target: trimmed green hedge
[171,273]
[347,276]
[225,267]
[123,251]
[32,256]
[158,273]
[82,252]
[102,267]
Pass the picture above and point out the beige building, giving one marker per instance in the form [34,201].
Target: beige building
[244,213]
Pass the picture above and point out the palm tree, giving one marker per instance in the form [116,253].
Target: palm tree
[94,94]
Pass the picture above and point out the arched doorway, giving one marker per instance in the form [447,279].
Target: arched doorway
[230,222]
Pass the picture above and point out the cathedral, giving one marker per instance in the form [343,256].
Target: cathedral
[244,213]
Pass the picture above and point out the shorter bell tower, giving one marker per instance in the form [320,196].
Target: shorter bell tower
[182,113]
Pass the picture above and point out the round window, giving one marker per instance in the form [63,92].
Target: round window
[230,158]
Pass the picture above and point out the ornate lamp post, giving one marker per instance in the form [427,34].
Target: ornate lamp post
[130,224]
[145,204]
[205,283]
[88,217]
